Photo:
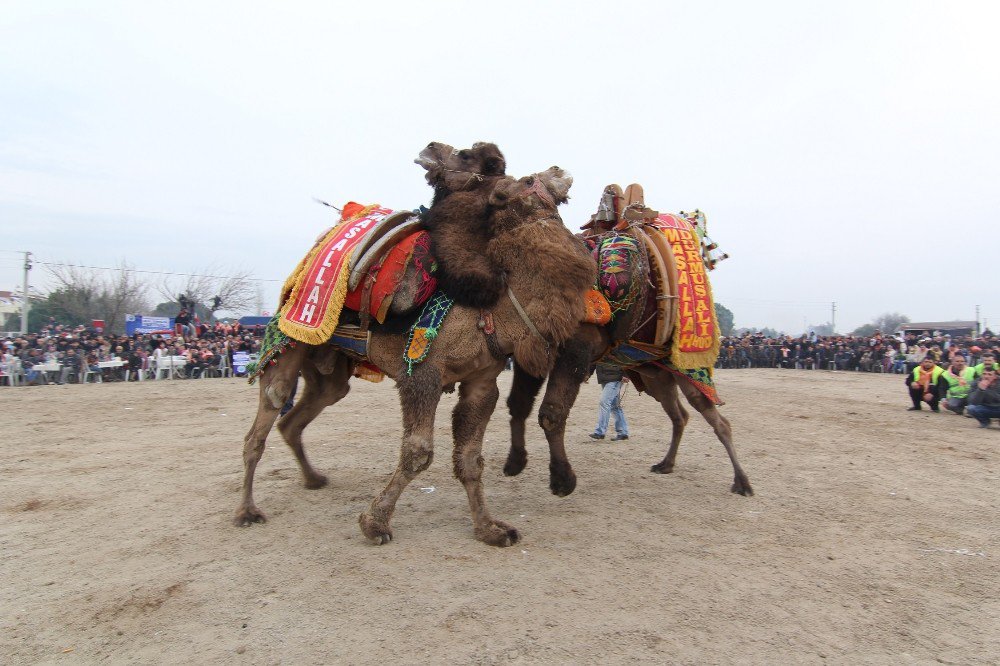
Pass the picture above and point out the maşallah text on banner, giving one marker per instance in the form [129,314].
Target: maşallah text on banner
[313,295]
[696,331]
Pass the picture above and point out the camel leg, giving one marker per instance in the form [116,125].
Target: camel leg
[520,401]
[320,392]
[569,371]
[418,396]
[664,390]
[275,387]
[477,397]
[719,423]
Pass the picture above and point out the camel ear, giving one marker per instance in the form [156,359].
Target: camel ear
[557,182]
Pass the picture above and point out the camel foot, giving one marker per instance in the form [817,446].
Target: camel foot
[562,480]
[314,481]
[374,530]
[741,486]
[662,467]
[516,462]
[498,533]
[248,515]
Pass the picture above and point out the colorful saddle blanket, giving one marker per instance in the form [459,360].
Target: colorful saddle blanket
[359,264]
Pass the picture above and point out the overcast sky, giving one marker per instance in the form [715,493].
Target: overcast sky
[845,151]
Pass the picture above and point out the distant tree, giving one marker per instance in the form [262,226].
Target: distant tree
[39,314]
[821,329]
[724,316]
[83,294]
[889,322]
[211,291]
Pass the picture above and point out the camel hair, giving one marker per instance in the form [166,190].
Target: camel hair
[448,167]
[458,223]
[524,212]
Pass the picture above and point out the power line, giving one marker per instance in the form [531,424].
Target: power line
[136,270]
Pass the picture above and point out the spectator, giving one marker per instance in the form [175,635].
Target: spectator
[611,380]
[986,360]
[183,325]
[71,363]
[984,399]
[926,384]
[960,378]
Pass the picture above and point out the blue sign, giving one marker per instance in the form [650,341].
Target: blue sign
[240,362]
[145,324]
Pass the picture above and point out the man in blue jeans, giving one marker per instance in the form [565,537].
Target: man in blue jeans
[984,399]
[611,379]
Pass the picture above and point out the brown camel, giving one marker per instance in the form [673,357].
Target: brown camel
[546,268]
[450,169]
[570,370]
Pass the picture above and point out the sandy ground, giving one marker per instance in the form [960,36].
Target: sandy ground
[873,536]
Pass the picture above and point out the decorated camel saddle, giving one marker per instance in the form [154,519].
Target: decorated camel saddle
[375,262]
[653,269]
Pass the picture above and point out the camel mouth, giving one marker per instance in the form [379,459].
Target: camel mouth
[427,162]
[434,155]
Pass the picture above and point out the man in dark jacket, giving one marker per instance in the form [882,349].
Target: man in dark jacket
[611,380]
[984,399]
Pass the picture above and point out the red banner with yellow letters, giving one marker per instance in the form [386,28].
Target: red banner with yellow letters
[696,331]
[314,294]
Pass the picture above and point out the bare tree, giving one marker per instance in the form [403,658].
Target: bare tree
[84,294]
[213,289]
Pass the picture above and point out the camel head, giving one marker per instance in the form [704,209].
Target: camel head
[533,197]
[453,169]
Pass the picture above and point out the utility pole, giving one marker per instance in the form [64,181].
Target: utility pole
[833,317]
[979,330]
[25,306]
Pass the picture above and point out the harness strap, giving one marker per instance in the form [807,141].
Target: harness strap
[527,321]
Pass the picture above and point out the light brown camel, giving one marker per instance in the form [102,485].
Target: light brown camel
[575,357]
[548,273]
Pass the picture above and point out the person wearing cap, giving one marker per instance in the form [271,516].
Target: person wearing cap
[960,378]
[984,399]
[926,384]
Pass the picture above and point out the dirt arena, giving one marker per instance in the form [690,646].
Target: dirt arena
[873,536]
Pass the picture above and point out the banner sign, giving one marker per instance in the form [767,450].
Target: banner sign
[240,362]
[696,332]
[319,284]
[144,324]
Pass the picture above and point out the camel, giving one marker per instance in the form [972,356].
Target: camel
[574,359]
[586,347]
[547,276]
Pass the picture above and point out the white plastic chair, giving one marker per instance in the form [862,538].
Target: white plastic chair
[13,372]
[86,372]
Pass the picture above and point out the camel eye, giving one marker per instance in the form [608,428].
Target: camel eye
[465,155]
[529,181]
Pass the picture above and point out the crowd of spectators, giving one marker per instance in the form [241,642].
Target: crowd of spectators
[78,349]
[876,353]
